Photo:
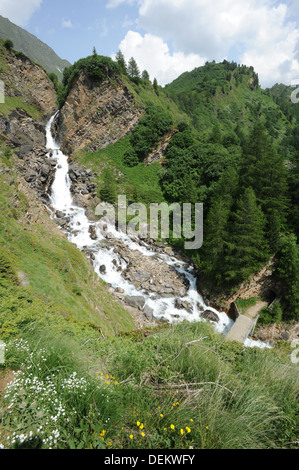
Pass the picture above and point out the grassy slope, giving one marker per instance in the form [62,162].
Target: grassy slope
[209,96]
[134,395]
[58,272]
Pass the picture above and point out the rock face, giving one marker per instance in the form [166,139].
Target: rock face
[35,100]
[95,116]
[152,274]
[38,170]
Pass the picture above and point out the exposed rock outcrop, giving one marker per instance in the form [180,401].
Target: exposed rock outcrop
[94,115]
[35,101]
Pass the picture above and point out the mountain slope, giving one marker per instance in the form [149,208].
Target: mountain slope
[33,47]
[228,95]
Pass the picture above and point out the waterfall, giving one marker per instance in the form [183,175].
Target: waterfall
[78,233]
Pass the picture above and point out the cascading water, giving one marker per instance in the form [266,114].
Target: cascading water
[78,233]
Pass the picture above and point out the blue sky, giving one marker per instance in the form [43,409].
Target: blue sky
[168,37]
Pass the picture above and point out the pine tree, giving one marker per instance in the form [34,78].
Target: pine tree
[155,85]
[145,75]
[133,70]
[246,247]
[120,59]
[263,169]
[108,190]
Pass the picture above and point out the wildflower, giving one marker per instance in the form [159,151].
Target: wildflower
[182,432]
[142,434]
[207,427]
[131,436]
[161,416]
[172,426]
[138,423]
[141,426]
[191,420]
[188,429]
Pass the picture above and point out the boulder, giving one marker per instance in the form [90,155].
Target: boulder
[103,269]
[148,312]
[211,316]
[135,301]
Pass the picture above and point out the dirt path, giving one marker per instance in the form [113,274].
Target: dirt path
[252,312]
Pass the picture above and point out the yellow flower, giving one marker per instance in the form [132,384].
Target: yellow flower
[107,376]
[207,427]
[138,423]
[172,426]
[107,383]
[188,429]
[182,431]
[141,426]
[131,436]
[102,373]
[109,444]
[161,416]
[191,420]
[142,434]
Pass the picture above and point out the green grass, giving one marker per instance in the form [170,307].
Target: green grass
[244,304]
[131,392]
[144,178]
[12,103]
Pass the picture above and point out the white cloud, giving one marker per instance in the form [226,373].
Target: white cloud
[153,55]
[67,24]
[19,11]
[261,33]
[116,3]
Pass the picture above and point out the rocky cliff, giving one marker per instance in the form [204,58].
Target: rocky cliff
[30,99]
[94,115]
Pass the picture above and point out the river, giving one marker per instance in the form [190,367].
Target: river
[78,233]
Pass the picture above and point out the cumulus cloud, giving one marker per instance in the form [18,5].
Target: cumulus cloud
[19,11]
[262,33]
[153,54]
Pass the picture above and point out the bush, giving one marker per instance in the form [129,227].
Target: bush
[268,316]
[130,158]
[8,44]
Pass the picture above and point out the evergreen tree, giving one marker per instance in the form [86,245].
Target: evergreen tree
[263,169]
[133,70]
[120,59]
[246,247]
[108,190]
[155,85]
[145,75]
[287,270]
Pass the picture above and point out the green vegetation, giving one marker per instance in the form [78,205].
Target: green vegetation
[172,388]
